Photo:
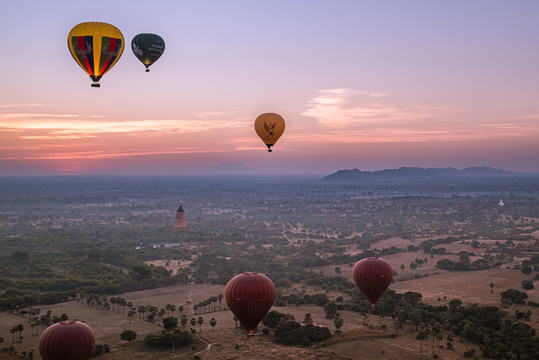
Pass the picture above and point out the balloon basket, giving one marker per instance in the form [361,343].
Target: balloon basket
[147,70]
[96,85]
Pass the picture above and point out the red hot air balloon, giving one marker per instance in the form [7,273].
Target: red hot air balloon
[372,276]
[67,340]
[250,296]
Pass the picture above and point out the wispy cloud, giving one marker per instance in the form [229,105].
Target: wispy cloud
[352,115]
[343,107]
[22,105]
[71,126]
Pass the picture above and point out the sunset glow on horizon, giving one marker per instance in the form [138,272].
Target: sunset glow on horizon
[359,84]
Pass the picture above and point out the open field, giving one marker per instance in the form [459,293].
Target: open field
[227,342]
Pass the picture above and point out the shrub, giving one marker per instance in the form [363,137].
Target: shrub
[527,284]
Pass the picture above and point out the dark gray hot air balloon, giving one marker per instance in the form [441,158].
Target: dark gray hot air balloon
[148,48]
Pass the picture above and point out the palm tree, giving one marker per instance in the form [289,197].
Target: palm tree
[491,286]
[213,322]
[200,320]
[220,298]
[141,310]
[13,331]
[195,308]
[123,303]
[113,301]
[20,328]
[130,314]
[193,322]
[180,309]
[183,321]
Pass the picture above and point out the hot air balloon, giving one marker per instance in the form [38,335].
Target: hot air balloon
[67,340]
[250,296]
[269,127]
[96,47]
[148,48]
[372,276]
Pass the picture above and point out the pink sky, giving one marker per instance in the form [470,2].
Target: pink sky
[360,85]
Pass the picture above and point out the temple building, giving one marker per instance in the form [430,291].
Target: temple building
[180,219]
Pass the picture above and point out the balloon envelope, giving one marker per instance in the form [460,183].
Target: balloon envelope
[250,296]
[148,48]
[67,340]
[269,127]
[372,276]
[96,47]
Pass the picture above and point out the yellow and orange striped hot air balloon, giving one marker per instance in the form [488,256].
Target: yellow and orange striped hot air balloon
[96,47]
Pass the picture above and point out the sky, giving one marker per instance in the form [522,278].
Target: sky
[361,84]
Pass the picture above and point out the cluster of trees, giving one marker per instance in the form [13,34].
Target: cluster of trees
[11,349]
[168,339]
[289,332]
[292,333]
[208,305]
[499,336]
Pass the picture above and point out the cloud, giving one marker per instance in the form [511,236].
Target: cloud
[22,105]
[348,115]
[72,126]
[343,107]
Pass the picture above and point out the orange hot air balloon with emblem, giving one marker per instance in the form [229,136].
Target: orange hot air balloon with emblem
[96,47]
[372,276]
[67,340]
[269,127]
[250,296]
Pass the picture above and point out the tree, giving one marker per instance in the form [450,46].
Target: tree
[415,317]
[403,267]
[527,284]
[514,295]
[273,319]
[180,309]
[128,335]
[170,323]
[213,322]
[130,315]
[200,320]
[337,270]
[491,286]
[526,270]
[141,310]
[235,320]
[421,336]
[193,322]
[220,298]
[338,322]
[184,321]
[330,309]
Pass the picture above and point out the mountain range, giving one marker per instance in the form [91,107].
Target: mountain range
[415,174]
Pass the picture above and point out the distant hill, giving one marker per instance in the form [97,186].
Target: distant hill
[227,168]
[415,174]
